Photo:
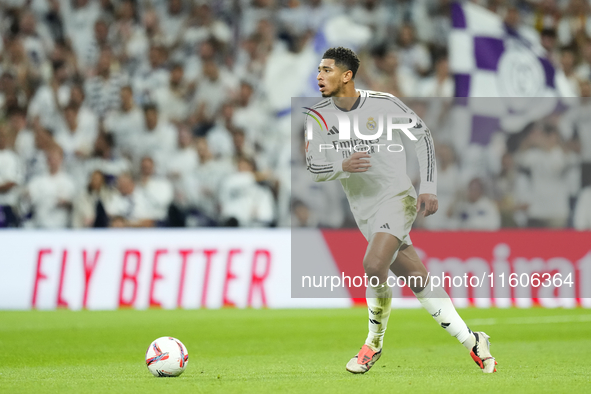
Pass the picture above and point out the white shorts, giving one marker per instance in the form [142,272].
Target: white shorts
[394,216]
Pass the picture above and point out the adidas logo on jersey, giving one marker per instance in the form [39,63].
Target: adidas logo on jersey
[385,226]
[333,131]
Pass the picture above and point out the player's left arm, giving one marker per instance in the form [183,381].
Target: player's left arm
[425,149]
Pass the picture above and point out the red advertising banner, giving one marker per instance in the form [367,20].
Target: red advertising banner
[504,268]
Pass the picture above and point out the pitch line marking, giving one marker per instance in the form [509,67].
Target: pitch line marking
[531,320]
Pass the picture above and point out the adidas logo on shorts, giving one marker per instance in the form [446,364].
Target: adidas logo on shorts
[385,226]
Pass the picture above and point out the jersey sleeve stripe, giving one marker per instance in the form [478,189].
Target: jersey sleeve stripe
[320,172]
[321,104]
[432,155]
[430,158]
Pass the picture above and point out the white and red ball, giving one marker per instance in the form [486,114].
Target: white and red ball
[167,357]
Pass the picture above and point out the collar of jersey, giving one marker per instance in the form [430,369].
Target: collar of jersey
[358,103]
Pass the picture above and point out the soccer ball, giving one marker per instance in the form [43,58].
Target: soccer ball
[167,357]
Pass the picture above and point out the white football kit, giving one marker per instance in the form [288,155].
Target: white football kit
[383,198]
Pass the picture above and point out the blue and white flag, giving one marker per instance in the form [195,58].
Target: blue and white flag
[490,59]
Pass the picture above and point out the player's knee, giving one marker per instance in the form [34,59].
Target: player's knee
[375,266]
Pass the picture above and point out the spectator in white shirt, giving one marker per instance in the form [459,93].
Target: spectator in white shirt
[582,215]
[448,184]
[574,126]
[24,143]
[37,164]
[209,176]
[173,22]
[510,191]
[157,139]
[252,115]
[243,202]
[575,22]
[250,60]
[413,55]
[89,205]
[152,75]
[106,159]
[172,99]
[241,146]
[52,194]
[215,88]
[543,156]
[49,98]
[75,140]
[10,179]
[181,167]
[253,13]
[583,70]
[374,14]
[479,212]
[127,36]
[78,17]
[157,190]
[219,137]
[37,46]
[440,84]
[103,89]
[87,118]
[126,123]
[568,63]
[89,55]
[130,207]
[206,50]
[202,25]
[384,73]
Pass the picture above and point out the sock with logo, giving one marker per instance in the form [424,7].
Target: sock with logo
[379,305]
[439,305]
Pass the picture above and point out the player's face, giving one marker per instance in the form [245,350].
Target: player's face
[330,78]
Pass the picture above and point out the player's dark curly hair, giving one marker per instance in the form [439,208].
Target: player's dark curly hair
[344,58]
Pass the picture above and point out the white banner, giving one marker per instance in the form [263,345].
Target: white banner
[148,268]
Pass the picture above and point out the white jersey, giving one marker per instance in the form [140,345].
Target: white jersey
[386,178]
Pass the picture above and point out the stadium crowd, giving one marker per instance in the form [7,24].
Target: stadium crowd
[141,113]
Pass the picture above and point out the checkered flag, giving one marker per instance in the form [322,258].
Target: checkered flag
[491,59]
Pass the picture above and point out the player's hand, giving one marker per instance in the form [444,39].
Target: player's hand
[357,162]
[431,204]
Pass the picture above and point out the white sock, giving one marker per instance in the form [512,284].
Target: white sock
[439,305]
[379,305]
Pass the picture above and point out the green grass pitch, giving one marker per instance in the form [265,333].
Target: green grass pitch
[300,351]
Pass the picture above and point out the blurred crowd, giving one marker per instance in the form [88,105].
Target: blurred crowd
[141,113]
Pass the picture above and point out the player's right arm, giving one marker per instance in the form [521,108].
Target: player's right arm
[321,168]
[318,164]
[324,169]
